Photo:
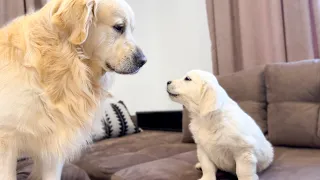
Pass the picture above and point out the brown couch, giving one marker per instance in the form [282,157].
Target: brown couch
[284,99]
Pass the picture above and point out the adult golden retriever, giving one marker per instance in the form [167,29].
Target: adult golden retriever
[50,65]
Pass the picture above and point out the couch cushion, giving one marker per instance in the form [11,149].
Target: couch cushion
[70,171]
[293,94]
[289,163]
[109,156]
[247,88]
[294,164]
[178,167]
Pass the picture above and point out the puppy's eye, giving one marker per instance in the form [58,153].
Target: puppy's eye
[119,28]
[187,78]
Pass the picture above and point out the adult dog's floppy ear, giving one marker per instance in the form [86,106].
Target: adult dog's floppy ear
[74,17]
[207,99]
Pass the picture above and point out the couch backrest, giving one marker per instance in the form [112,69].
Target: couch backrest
[293,96]
[247,88]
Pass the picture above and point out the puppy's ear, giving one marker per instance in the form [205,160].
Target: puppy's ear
[74,18]
[207,100]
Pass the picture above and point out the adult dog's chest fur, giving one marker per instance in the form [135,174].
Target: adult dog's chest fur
[29,118]
[213,141]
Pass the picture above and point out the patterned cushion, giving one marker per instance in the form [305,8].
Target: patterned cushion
[113,120]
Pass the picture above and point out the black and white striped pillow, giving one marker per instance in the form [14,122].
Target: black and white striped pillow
[113,120]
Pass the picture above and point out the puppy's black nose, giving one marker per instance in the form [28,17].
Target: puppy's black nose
[169,82]
[139,58]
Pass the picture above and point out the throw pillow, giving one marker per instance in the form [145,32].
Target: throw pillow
[113,120]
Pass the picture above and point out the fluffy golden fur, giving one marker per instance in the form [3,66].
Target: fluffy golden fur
[51,62]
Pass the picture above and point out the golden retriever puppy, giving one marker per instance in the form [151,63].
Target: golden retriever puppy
[51,62]
[227,138]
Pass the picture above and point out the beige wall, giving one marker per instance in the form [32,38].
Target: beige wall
[175,37]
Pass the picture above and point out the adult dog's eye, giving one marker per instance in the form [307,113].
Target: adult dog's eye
[119,28]
[187,78]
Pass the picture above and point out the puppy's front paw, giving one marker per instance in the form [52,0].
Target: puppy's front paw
[198,167]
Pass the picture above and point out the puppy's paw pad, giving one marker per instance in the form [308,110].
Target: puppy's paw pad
[198,167]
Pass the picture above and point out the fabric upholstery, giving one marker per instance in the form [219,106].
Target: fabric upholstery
[293,164]
[247,88]
[33,5]
[293,93]
[289,164]
[70,171]
[246,33]
[106,157]
[10,10]
[178,167]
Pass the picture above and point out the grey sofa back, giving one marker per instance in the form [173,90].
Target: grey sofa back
[293,96]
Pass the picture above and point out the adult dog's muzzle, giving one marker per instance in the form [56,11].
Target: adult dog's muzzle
[132,64]
[139,59]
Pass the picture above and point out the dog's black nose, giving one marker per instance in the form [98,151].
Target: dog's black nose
[169,82]
[139,58]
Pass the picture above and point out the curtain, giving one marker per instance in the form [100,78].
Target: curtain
[32,5]
[10,9]
[247,33]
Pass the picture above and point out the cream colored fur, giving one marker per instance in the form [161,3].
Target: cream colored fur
[51,63]
[227,138]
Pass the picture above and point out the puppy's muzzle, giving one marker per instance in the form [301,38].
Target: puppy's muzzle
[169,89]
[139,58]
